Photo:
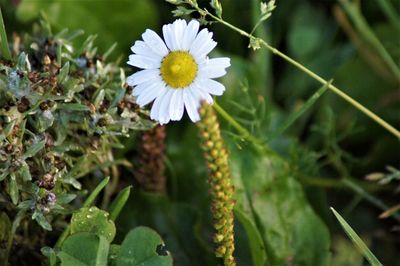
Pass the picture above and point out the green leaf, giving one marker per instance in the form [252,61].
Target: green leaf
[63,73]
[5,227]
[119,202]
[140,248]
[73,107]
[217,7]
[357,240]
[24,172]
[271,196]
[35,148]
[14,193]
[50,254]
[96,192]
[84,249]
[93,220]
[256,243]
[7,130]
[41,220]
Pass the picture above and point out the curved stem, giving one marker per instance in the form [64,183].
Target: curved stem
[310,73]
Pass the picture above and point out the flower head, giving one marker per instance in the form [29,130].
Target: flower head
[176,74]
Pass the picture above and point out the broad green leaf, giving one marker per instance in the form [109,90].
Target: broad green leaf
[140,248]
[84,249]
[178,223]
[93,220]
[290,229]
[357,240]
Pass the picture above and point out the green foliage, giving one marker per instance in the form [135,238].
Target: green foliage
[93,220]
[131,17]
[142,246]
[357,240]
[269,193]
[59,121]
[58,141]
[84,249]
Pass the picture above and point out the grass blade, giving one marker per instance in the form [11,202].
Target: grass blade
[357,240]
[5,49]
[119,203]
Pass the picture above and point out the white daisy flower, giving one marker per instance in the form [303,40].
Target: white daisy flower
[177,74]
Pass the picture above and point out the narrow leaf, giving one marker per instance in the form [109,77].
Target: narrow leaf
[357,240]
[119,203]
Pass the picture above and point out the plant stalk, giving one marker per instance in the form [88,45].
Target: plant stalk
[310,73]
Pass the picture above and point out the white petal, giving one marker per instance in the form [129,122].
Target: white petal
[190,34]
[139,89]
[191,105]
[142,61]
[211,72]
[212,86]
[202,53]
[176,107]
[179,28]
[151,92]
[214,68]
[204,38]
[202,93]
[140,47]
[169,37]
[164,116]
[223,62]
[155,42]
[143,76]
[155,109]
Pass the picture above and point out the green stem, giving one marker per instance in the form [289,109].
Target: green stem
[310,73]
[390,13]
[15,225]
[369,36]
[3,39]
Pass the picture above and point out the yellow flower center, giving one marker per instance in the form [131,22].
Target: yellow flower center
[178,69]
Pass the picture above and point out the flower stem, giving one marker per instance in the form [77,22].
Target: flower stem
[221,187]
[310,73]
[3,39]
[390,12]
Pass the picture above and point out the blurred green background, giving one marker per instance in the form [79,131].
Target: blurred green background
[331,143]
